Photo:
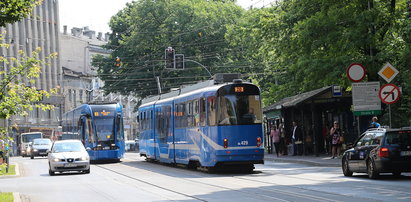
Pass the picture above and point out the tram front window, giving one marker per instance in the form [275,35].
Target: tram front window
[104,128]
[239,110]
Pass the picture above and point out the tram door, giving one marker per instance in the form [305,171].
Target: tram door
[163,133]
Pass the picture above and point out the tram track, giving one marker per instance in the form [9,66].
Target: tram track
[149,183]
[258,193]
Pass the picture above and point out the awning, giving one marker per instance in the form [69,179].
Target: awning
[295,100]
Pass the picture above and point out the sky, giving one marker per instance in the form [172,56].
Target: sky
[96,14]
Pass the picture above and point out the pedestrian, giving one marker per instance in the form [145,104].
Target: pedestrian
[296,138]
[324,133]
[335,133]
[374,122]
[275,138]
[283,147]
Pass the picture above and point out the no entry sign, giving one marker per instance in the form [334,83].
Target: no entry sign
[356,72]
[389,93]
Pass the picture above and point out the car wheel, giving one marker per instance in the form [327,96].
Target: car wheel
[51,173]
[396,174]
[87,171]
[31,157]
[345,167]
[372,173]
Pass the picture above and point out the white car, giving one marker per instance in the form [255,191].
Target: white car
[68,155]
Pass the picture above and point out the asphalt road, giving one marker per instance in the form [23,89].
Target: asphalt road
[137,180]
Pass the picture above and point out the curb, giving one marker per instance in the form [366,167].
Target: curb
[16,196]
[305,162]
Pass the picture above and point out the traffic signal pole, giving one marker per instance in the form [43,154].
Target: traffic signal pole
[200,65]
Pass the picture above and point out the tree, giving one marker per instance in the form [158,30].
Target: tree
[144,29]
[307,44]
[18,94]
[14,10]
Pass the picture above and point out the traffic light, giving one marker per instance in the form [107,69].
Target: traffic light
[170,58]
[118,62]
[179,60]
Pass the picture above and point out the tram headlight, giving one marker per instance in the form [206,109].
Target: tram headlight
[225,142]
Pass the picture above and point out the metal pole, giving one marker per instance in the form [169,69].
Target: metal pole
[200,65]
[158,85]
[389,114]
[358,126]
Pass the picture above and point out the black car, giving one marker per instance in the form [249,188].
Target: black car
[379,150]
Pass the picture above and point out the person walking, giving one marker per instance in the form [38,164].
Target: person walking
[335,133]
[275,138]
[296,138]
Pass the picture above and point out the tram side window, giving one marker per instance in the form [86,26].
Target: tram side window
[89,130]
[144,121]
[183,114]
[196,113]
[211,110]
[190,114]
[202,111]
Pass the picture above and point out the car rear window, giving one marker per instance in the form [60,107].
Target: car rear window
[398,138]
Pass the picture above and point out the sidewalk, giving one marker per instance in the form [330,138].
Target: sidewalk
[322,160]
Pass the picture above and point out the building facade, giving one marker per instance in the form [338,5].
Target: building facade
[80,81]
[38,30]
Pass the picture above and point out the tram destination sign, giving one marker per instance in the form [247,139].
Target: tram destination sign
[366,100]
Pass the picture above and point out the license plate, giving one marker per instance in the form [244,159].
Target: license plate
[42,153]
[405,153]
[106,148]
[70,165]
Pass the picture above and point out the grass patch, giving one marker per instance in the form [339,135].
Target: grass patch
[6,197]
[12,170]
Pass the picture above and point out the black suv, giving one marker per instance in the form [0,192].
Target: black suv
[379,150]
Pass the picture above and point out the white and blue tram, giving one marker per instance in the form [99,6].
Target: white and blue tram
[100,127]
[208,126]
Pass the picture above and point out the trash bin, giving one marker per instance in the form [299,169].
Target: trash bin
[290,149]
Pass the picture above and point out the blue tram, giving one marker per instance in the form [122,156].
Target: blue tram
[99,127]
[208,125]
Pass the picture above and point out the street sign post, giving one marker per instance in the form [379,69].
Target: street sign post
[356,72]
[389,93]
[365,98]
[388,72]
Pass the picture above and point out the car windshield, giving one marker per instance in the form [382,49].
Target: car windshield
[29,137]
[68,147]
[41,142]
[398,138]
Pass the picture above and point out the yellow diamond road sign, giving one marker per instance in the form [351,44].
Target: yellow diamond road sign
[388,72]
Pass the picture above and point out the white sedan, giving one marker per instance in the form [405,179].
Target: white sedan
[68,155]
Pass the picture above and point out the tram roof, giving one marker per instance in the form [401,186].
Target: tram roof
[209,85]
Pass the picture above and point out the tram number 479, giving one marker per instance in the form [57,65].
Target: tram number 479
[245,142]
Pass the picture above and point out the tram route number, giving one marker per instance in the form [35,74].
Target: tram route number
[244,142]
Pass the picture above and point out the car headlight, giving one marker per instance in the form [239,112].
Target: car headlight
[84,158]
[56,159]
[35,150]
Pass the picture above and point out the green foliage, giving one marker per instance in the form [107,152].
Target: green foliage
[144,29]
[14,10]
[6,197]
[18,93]
[303,45]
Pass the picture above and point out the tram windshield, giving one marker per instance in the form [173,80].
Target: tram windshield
[104,128]
[239,110]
